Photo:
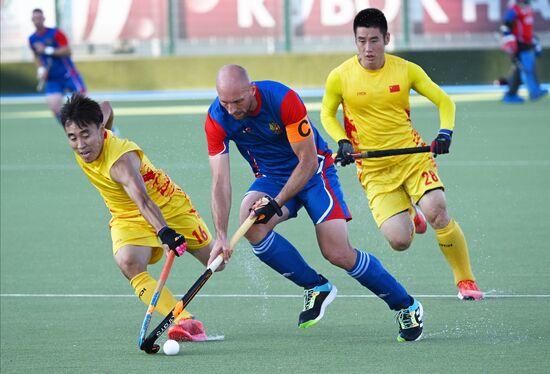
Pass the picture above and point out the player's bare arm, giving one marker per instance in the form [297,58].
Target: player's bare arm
[42,49]
[126,172]
[64,51]
[108,115]
[221,203]
[42,71]
[37,60]
[306,152]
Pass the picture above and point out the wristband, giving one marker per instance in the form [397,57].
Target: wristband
[49,50]
[446,133]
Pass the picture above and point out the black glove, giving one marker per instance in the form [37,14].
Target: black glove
[442,142]
[176,242]
[343,156]
[265,208]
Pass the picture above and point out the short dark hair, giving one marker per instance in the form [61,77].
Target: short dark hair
[37,10]
[371,17]
[81,110]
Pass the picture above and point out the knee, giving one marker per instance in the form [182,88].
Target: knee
[343,258]
[440,219]
[256,234]
[401,243]
[130,268]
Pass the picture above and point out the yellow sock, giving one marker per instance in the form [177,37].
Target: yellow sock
[455,249]
[144,287]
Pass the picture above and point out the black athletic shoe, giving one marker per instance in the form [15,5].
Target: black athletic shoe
[316,300]
[410,323]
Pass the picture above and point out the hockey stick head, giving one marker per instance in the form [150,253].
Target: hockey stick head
[150,348]
[148,345]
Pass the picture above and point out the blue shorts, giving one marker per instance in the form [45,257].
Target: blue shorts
[72,83]
[322,196]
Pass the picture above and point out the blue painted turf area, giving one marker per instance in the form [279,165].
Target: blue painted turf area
[211,94]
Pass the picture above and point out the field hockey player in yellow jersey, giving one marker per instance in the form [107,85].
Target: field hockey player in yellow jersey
[148,210]
[373,88]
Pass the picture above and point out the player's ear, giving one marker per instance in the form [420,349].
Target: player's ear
[387,38]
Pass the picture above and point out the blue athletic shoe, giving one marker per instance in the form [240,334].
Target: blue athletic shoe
[513,99]
[539,94]
[316,300]
[410,323]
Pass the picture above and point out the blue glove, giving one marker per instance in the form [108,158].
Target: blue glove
[442,142]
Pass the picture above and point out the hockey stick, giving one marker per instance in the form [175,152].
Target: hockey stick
[389,152]
[148,344]
[153,304]
[392,152]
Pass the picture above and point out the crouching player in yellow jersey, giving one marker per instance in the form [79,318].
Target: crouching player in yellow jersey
[373,89]
[144,203]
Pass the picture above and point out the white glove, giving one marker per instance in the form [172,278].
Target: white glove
[41,73]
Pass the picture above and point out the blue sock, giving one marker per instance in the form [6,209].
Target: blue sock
[527,59]
[370,273]
[276,252]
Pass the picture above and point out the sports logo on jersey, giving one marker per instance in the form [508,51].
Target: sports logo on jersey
[275,128]
[395,88]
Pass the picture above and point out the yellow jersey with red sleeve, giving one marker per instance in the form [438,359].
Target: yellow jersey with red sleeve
[376,106]
[159,186]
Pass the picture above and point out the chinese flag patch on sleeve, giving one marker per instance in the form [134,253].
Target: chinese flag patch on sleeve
[395,88]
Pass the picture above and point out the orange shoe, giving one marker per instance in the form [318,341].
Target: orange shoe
[187,330]
[468,290]
[419,220]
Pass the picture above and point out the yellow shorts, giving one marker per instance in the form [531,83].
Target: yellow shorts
[180,216]
[391,189]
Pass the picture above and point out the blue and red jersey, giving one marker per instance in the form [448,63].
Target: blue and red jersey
[521,20]
[263,138]
[58,67]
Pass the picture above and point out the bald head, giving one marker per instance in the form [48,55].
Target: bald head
[235,92]
[232,76]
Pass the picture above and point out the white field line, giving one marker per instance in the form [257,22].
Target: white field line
[209,95]
[202,109]
[259,296]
